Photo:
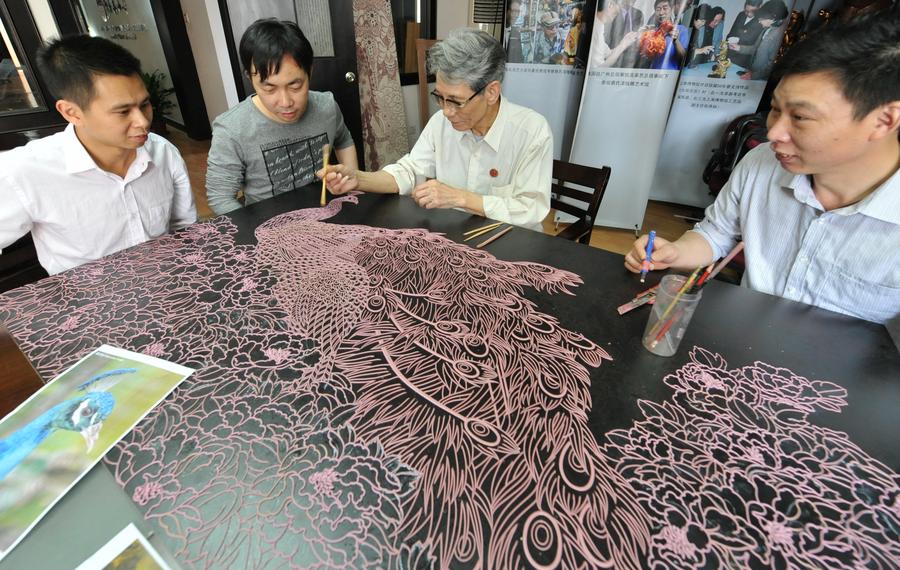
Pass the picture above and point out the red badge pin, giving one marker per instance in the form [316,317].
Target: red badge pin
[494,173]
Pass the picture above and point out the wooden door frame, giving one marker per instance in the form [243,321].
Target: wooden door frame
[343,46]
[175,44]
[232,50]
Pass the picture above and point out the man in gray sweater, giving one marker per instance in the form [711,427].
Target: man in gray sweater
[272,141]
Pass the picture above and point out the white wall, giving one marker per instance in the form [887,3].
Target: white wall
[43,19]
[204,27]
[452,14]
[411,106]
[139,36]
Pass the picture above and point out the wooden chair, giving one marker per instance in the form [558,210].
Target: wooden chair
[422,47]
[18,380]
[596,178]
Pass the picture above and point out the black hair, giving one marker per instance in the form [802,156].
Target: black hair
[716,10]
[772,10]
[267,41]
[68,66]
[702,12]
[658,2]
[863,55]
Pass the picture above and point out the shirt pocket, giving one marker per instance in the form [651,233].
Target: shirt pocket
[155,219]
[863,298]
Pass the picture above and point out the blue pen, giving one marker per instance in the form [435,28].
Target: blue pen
[645,266]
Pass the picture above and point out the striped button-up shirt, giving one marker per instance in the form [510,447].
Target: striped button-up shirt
[845,260]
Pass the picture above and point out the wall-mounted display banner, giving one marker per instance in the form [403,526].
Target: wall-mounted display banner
[633,66]
[731,55]
[546,46]
[551,90]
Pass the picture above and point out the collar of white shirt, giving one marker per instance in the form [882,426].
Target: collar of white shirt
[882,204]
[77,159]
[495,133]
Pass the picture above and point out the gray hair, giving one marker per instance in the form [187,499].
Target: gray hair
[469,56]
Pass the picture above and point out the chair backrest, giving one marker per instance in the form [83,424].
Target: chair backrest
[589,176]
[18,379]
[422,47]
[19,264]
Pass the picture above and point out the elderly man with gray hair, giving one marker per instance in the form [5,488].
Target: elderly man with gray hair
[480,153]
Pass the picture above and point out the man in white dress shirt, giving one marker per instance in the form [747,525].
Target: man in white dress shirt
[104,183]
[818,207]
[480,153]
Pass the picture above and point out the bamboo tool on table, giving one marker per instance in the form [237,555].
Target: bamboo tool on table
[480,231]
[496,236]
[326,153]
[734,251]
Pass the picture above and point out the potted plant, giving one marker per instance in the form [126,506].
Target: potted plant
[159,99]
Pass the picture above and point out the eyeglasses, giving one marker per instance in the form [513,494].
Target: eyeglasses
[440,100]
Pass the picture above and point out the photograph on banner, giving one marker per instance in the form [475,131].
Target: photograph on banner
[548,32]
[637,48]
[52,439]
[547,48]
[736,39]
[654,35]
[705,105]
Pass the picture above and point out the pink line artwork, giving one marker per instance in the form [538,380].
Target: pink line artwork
[734,474]
[465,381]
[389,398]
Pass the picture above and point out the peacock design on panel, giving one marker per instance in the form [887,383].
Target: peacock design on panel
[467,382]
[377,398]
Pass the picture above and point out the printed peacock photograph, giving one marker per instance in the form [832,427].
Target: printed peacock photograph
[49,442]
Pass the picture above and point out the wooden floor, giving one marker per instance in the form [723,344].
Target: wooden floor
[660,216]
[194,154]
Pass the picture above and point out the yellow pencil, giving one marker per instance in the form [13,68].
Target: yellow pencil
[482,231]
[497,235]
[487,227]
[326,152]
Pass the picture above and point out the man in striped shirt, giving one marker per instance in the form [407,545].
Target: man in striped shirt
[818,208]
